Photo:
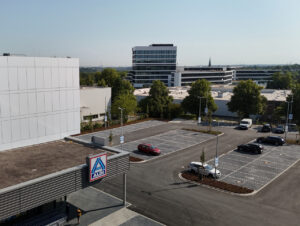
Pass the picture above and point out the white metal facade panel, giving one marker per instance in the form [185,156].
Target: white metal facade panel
[39,100]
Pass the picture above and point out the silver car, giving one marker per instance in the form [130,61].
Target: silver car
[205,169]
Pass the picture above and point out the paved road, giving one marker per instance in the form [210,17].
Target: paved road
[155,190]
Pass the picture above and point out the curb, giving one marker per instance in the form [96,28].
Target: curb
[237,194]
[214,188]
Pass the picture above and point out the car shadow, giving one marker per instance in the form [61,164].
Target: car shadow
[245,152]
[141,153]
[239,128]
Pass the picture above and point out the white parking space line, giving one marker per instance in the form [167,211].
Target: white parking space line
[246,165]
[168,142]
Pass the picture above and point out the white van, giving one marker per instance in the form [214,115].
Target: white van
[246,123]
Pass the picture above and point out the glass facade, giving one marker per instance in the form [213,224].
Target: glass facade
[154,62]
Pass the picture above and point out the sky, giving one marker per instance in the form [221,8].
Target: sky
[103,32]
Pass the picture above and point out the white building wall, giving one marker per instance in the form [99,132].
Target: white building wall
[39,100]
[94,101]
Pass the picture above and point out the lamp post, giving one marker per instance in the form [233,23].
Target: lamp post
[216,163]
[199,116]
[105,116]
[122,137]
[288,116]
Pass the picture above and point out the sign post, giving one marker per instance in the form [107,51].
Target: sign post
[97,166]
[121,139]
[216,161]
[199,120]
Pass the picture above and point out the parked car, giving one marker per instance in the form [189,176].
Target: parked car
[253,148]
[271,140]
[245,123]
[279,129]
[292,127]
[149,149]
[266,128]
[205,169]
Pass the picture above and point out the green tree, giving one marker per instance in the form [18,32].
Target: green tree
[125,101]
[200,88]
[157,101]
[89,80]
[101,83]
[247,100]
[296,105]
[281,80]
[121,87]
[109,75]
[174,110]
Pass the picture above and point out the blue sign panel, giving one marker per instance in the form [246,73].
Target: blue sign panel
[98,167]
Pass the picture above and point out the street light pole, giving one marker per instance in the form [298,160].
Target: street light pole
[121,141]
[105,116]
[216,155]
[199,117]
[287,119]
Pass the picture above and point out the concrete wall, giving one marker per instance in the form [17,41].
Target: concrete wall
[93,100]
[39,100]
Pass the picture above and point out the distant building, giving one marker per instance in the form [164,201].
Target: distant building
[94,103]
[222,95]
[154,62]
[185,76]
[39,100]
[259,76]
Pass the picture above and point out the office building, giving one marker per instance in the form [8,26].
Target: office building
[154,62]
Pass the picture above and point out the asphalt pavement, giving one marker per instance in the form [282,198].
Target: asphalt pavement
[155,190]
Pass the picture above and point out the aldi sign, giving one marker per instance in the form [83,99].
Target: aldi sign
[97,166]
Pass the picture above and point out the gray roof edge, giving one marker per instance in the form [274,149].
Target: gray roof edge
[42,178]
[107,148]
[119,152]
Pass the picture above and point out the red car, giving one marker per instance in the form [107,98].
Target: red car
[148,148]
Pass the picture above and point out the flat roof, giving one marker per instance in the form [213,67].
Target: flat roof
[219,92]
[27,163]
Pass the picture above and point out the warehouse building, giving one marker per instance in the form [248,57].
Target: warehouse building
[95,103]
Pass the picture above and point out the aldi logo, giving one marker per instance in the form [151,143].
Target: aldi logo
[97,167]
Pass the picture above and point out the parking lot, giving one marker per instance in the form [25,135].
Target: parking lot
[126,129]
[254,171]
[168,142]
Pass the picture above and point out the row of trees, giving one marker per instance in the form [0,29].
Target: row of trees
[246,100]
[283,80]
[122,90]
[160,104]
